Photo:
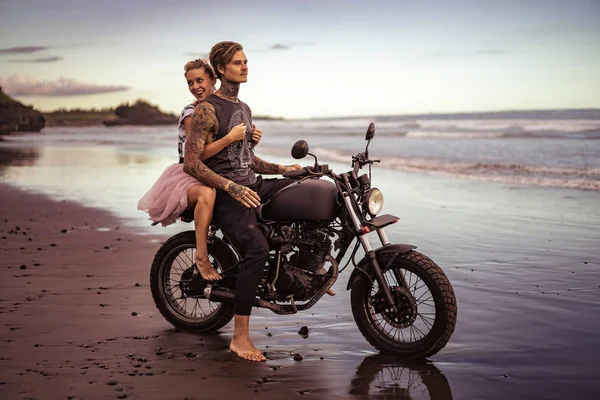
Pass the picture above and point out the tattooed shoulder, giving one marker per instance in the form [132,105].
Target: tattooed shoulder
[204,119]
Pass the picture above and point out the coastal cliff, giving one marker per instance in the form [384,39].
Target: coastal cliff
[17,117]
[140,113]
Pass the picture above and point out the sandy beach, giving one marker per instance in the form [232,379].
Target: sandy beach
[78,320]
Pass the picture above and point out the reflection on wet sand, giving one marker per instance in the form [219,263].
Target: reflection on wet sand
[385,377]
[17,157]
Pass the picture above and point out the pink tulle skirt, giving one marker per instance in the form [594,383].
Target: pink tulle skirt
[167,198]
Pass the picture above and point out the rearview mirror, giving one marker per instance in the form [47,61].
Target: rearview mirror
[370,132]
[300,149]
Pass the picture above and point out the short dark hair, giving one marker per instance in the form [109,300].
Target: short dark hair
[221,54]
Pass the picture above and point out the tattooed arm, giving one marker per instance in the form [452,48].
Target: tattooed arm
[212,147]
[263,167]
[204,123]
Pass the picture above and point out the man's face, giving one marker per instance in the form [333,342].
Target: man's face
[236,70]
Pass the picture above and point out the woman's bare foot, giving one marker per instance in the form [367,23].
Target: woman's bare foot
[330,292]
[206,269]
[243,347]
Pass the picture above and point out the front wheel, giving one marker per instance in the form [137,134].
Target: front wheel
[425,315]
[172,279]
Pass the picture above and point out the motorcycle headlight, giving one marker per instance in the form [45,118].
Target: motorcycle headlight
[373,201]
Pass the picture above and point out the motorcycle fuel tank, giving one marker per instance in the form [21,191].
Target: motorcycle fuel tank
[305,200]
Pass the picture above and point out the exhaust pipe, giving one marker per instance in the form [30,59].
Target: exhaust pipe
[219,294]
[223,295]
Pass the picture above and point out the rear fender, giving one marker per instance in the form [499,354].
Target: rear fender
[364,265]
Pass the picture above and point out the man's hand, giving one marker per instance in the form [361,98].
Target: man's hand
[244,195]
[292,167]
[256,134]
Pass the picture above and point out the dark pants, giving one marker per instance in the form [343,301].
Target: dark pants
[239,224]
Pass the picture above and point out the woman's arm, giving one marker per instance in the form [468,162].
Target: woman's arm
[211,148]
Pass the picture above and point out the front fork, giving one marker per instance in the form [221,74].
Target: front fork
[371,256]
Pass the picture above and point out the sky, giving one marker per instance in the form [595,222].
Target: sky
[308,58]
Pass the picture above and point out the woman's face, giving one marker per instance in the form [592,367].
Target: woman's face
[199,83]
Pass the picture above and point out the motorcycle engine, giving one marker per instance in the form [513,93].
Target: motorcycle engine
[302,270]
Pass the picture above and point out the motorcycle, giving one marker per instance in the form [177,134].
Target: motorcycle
[402,301]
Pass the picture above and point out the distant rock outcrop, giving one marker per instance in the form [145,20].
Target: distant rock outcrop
[140,113]
[16,117]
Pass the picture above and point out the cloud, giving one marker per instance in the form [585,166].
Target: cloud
[279,46]
[17,85]
[23,49]
[491,52]
[38,60]
[468,54]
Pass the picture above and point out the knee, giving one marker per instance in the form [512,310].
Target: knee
[206,196]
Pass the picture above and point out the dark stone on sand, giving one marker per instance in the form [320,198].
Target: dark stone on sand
[52,244]
[269,334]
[137,284]
[133,313]
[107,247]
[298,357]
[23,266]
[63,230]
[303,331]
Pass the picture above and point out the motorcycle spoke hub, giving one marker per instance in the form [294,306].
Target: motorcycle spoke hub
[191,284]
[406,307]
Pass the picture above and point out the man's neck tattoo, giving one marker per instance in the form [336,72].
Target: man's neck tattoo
[229,90]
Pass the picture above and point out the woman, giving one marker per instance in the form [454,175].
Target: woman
[175,190]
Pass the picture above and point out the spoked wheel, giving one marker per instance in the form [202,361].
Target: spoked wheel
[177,285]
[425,314]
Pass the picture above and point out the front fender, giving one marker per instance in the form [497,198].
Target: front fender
[388,249]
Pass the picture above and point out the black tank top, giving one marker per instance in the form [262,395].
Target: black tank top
[236,161]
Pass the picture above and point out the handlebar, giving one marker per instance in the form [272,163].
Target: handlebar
[307,171]
[297,173]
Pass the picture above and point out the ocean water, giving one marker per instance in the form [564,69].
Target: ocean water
[113,167]
[556,149]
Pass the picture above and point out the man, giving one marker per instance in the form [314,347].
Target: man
[232,173]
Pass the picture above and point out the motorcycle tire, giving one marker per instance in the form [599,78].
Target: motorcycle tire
[421,275]
[178,252]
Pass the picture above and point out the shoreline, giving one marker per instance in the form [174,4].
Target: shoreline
[522,262]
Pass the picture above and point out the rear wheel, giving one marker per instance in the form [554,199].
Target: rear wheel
[425,315]
[174,277]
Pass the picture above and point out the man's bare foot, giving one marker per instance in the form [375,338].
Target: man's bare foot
[206,269]
[244,348]
[330,292]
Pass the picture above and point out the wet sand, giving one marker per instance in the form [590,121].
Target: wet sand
[524,269]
